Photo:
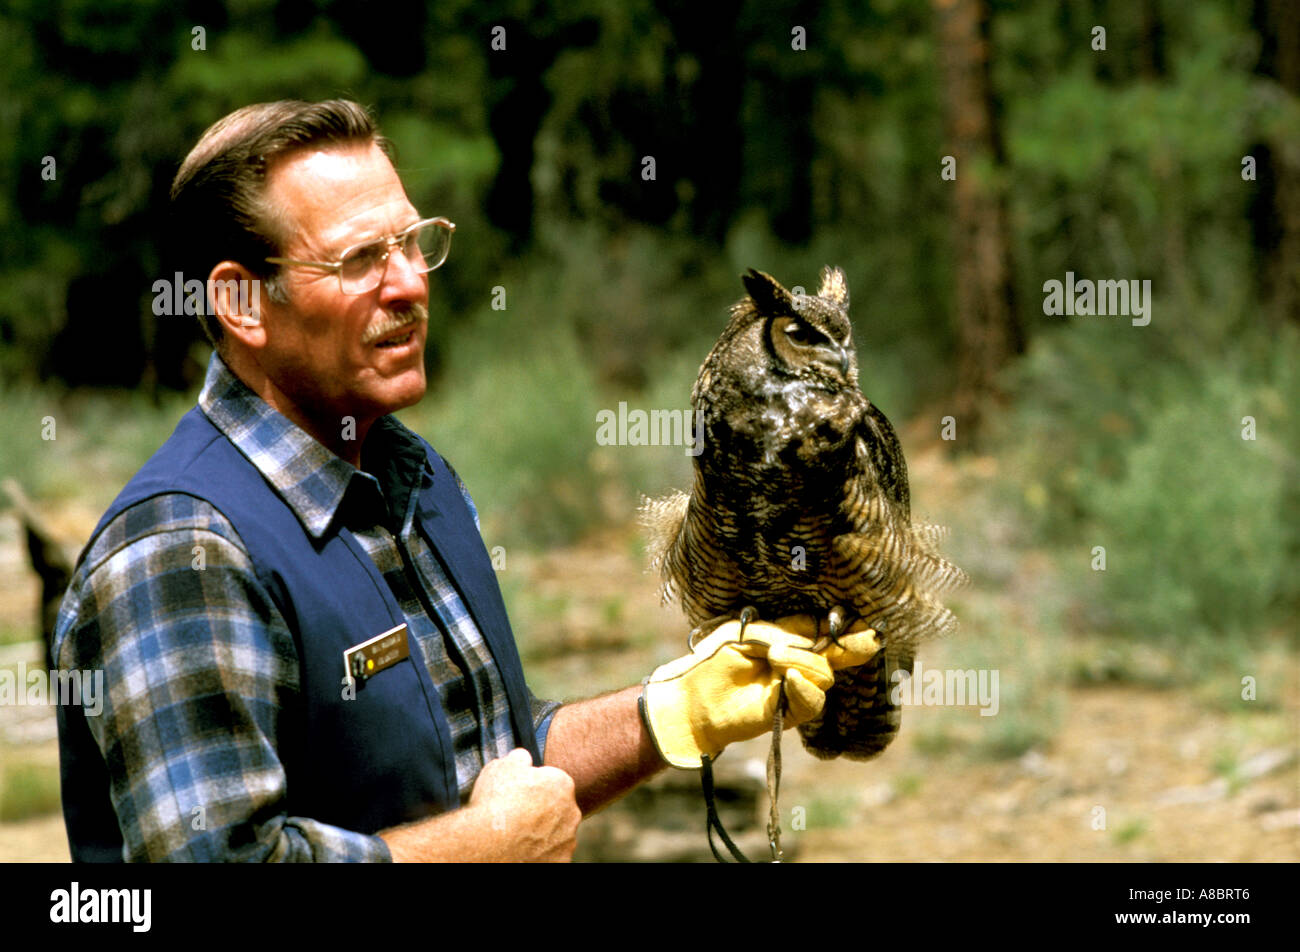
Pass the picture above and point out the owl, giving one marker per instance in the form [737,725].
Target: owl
[800,503]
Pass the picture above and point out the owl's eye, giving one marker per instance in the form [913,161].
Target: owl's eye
[801,333]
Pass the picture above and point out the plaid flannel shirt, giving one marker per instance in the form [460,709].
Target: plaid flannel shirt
[176,644]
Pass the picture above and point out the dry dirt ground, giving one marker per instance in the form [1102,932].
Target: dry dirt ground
[1125,773]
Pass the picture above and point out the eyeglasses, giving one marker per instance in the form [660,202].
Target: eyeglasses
[362,266]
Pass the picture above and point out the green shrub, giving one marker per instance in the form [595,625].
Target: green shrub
[28,790]
[1193,529]
[520,430]
[1132,439]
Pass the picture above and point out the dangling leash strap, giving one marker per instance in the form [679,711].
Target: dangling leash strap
[713,822]
[774,778]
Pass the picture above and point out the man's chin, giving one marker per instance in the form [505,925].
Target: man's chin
[405,390]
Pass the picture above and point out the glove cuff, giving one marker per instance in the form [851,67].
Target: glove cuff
[669,730]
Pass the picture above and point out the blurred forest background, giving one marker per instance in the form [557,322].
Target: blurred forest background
[785,137]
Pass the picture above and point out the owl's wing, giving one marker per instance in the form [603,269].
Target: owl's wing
[897,570]
[893,575]
[878,446]
[693,565]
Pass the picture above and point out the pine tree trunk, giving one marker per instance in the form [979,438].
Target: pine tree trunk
[1275,213]
[989,330]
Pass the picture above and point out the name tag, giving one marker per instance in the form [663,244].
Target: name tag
[367,659]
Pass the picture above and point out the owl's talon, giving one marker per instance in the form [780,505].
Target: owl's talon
[840,620]
[706,628]
[747,614]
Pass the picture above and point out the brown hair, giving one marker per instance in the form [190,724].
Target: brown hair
[218,202]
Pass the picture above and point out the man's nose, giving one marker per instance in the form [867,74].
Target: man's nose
[401,282]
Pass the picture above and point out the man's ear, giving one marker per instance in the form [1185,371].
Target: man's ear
[235,298]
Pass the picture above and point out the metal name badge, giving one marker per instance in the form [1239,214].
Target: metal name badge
[375,654]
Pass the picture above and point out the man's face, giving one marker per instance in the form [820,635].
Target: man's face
[332,197]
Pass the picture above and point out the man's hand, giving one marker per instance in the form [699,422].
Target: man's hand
[517,813]
[535,805]
[727,689]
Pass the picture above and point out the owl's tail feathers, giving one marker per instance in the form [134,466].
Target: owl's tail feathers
[662,519]
[860,718]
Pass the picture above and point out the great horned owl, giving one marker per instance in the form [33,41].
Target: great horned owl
[801,503]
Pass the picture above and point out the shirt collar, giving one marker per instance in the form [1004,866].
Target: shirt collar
[311,480]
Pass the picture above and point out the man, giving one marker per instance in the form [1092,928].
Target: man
[305,652]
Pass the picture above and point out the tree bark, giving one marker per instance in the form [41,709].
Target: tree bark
[1275,212]
[989,331]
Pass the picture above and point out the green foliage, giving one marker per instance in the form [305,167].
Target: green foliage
[27,458]
[27,789]
[1030,708]
[831,812]
[1026,648]
[1129,831]
[1226,764]
[633,296]
[1148,460]
[1016,735]
[935,741]
[14,634]
[1100,661]
[1197,539]
[99,439]
[516,417]
[908,784]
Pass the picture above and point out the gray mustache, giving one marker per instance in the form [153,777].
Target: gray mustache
[415,314]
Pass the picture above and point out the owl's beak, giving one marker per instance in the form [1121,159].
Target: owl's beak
[846,361]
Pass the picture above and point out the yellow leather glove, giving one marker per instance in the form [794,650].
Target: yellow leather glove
[727,690]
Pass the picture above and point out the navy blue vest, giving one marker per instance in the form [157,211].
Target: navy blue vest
[363,764]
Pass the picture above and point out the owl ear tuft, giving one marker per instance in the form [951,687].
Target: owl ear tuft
[835,286]
[767,293]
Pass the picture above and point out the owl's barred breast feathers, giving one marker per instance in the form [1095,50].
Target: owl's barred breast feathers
[801,503]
